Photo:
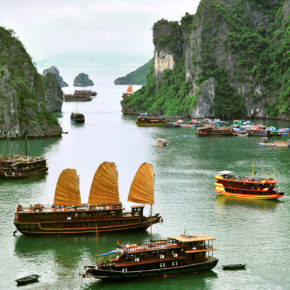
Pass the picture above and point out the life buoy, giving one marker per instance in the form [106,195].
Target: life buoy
[110,207]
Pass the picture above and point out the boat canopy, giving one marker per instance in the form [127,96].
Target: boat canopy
[196,238]
[104,188]
[221,173]
[142,187]
[67,191]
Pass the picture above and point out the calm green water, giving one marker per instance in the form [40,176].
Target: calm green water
[252,232]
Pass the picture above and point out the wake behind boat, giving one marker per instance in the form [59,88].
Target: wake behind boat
[171,256]
[68,215]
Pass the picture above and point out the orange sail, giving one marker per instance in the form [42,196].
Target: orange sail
[130,89]
[67,191]
[142,187]
[104,188]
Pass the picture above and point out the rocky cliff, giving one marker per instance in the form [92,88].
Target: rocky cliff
[55,71]
[82,80]
[228,60]
[53,92]
[23,96]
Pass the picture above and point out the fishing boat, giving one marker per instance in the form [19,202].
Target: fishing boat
[77,118]
[148,121]
[234,266]
[22,165]
[210,130]
[172,125]
[161,142]
[27,279]
[175,255]
[68,215]
[129,92]
[246,187]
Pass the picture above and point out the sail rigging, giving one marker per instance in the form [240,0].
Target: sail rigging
[104,188]
[67,191]
[142,187]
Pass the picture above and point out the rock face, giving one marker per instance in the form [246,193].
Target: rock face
[229,60]
[53,93]
[82,80]
[23,96]
[55,71]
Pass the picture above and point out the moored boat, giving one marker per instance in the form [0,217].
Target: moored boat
[148,121]
[212,131]
[80,96]
[27,279]
[246,187]
[171,256]
[276,144]
[68,215]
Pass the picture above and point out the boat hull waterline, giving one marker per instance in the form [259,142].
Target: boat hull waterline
[111,275]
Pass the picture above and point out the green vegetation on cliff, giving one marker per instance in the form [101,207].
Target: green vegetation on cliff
[136,77]
[22,91]
[242,45]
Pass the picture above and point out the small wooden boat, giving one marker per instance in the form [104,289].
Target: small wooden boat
[234,266]
[242,134]
[276,144]
[27,279]
[77,118]
[162,258]
[161,142]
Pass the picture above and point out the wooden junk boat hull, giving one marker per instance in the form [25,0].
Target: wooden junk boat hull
[67,222]
[111,275]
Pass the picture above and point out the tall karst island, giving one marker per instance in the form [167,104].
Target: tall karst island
[26,98]
[229,60]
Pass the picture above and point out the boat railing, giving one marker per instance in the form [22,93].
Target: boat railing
[46,208]
[147,247]
[247,179]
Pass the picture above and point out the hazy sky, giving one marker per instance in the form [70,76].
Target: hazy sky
[50,27]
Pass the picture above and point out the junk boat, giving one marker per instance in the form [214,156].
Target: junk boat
[68,215]
[212,131]
[129,92]
[77,118]
[171,256]
[147,121]
[246,187]
[161,142]
[80,96]
[22,165]
[27,279]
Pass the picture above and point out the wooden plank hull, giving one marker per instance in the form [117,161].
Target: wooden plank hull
[64,228]
[112,275]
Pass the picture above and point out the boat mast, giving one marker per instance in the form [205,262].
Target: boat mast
[151,221]
[97,236]
[253,169]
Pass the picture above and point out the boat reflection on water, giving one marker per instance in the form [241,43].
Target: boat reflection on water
[222,201]
[82,247]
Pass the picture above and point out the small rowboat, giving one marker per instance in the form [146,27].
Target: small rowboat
[27,279]
[234,266]
[276,144]
[161,142]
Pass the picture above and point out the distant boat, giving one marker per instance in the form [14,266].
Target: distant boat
[128,92]
[148,121]
[27,279]
[246,187]
[80,96]
[161,142]
[77,118]
[210,130]
[22,165]
[234,266]
[276,144]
